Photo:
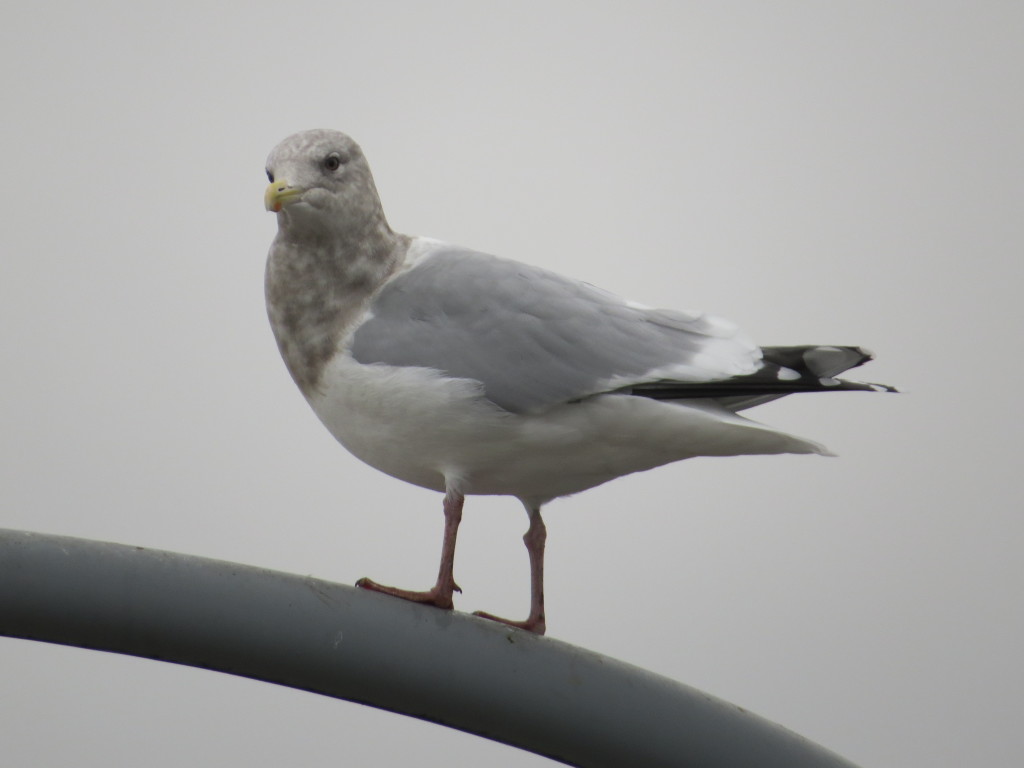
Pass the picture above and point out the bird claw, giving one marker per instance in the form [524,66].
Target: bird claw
[535,624]
[437,597]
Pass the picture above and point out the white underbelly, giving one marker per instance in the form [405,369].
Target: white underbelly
[417,426]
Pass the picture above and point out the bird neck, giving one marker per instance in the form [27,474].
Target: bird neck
[318,287]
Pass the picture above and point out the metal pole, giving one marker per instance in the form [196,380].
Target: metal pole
[535,693]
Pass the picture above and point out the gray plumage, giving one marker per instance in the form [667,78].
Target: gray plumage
[534,338]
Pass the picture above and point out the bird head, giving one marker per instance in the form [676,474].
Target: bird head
[319,180]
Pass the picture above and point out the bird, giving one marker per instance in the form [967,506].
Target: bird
[470,374]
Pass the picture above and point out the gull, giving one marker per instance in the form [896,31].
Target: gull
[470,374]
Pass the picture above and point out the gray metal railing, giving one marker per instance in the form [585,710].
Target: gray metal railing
[532,692]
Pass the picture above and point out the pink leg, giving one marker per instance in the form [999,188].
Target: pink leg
[535,537]
[441,593]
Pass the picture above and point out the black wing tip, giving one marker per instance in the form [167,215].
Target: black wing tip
[785,371]
[740,387]
[818,359]
[850,385]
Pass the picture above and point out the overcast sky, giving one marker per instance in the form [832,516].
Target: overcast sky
[842,172]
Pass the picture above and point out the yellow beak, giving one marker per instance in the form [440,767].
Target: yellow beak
[279,194]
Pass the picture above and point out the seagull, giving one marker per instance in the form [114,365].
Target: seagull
[470,374]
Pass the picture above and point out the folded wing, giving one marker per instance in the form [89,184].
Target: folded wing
[535,339]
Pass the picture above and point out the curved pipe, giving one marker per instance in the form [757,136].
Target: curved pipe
[532,692]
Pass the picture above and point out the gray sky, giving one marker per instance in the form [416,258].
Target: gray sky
[844,172]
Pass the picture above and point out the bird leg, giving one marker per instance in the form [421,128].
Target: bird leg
[440,594]
[534,539]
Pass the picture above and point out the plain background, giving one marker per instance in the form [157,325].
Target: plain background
[842,172]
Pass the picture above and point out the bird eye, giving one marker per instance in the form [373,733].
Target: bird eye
[270,176]
[334,161]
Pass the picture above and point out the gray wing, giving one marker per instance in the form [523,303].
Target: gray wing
[535,339]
